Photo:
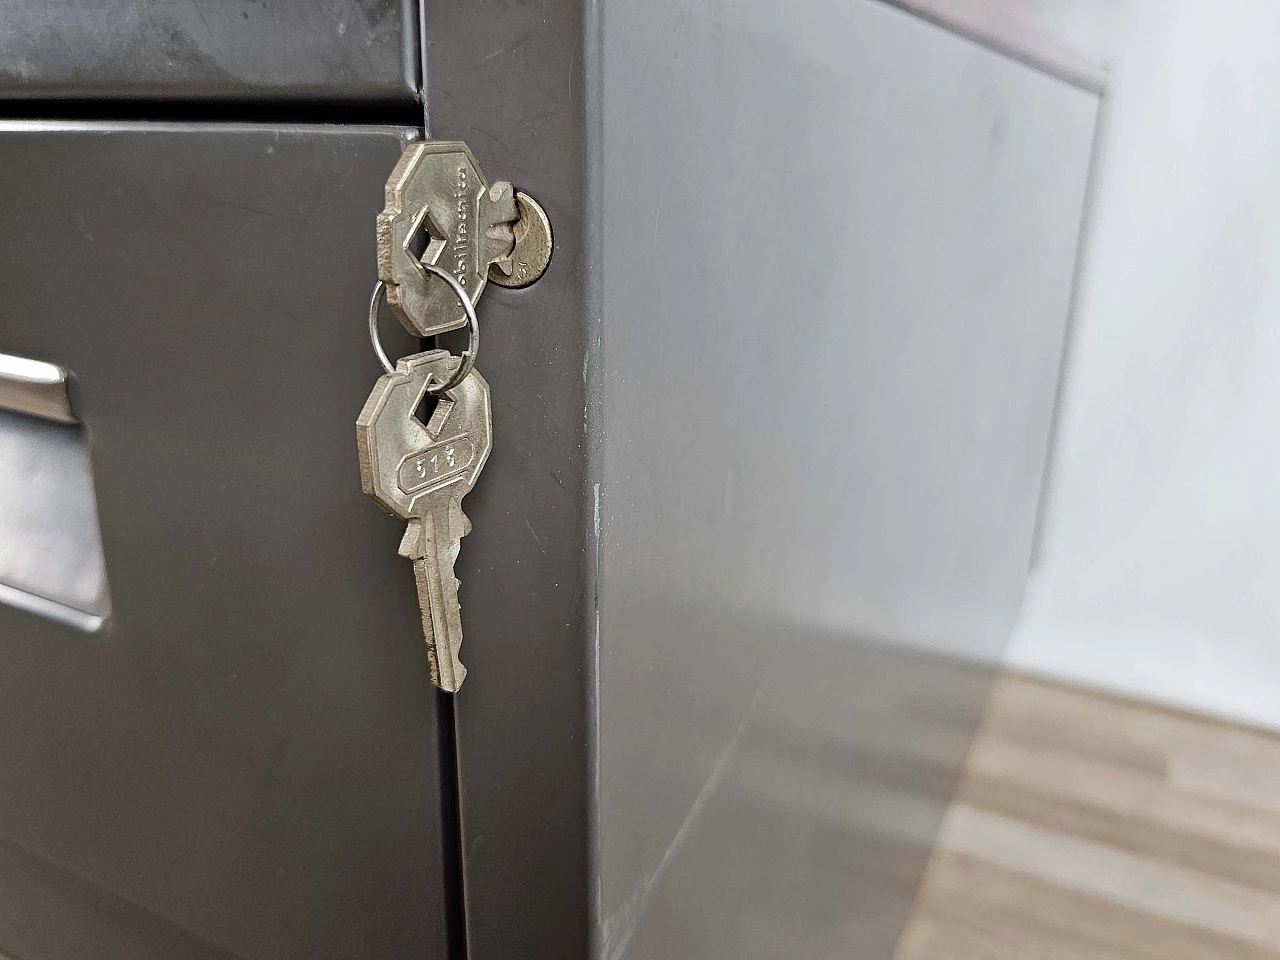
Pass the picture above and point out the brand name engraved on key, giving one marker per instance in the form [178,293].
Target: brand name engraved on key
[460,235]
[437,194]
[436,465]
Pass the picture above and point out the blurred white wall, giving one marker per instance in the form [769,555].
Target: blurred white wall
[1159,571]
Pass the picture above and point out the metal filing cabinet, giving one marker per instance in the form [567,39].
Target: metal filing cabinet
[769,438]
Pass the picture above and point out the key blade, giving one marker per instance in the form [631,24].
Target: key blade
[432,542]
[498,209]
[441,628]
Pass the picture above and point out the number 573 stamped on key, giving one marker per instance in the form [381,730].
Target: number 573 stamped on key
[437,464]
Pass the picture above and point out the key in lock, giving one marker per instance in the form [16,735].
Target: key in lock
[440,210]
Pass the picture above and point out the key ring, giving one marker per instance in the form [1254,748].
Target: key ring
[473,330]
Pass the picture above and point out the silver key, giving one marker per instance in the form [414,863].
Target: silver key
[440,210]
[420,472]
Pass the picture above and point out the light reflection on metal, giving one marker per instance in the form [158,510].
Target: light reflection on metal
[35,387]
[51,610]
[51,559]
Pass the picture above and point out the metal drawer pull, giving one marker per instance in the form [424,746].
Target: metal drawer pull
[35,387]
[51,562]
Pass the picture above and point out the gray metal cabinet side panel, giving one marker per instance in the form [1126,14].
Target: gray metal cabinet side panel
[245,761]
[838,250]
[348,51]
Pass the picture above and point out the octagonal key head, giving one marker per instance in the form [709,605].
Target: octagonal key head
[440,210]
[396,443]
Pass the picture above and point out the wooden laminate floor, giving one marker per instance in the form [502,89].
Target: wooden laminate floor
[1087,826]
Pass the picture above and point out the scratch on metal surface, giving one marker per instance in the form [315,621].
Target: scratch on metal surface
[511,47]
[621,925]
[657,207]
[213,37]
[537,539]
[259,211]
[498,140]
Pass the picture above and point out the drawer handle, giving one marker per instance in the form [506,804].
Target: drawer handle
[35,387]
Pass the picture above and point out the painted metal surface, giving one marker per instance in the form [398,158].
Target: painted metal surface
[507,76]
[837,250]
[345,51]
[811,310]
[244,760]
[779,405]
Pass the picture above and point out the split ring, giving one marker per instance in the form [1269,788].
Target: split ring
[473,330]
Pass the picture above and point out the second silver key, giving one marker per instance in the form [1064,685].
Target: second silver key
[419,470]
